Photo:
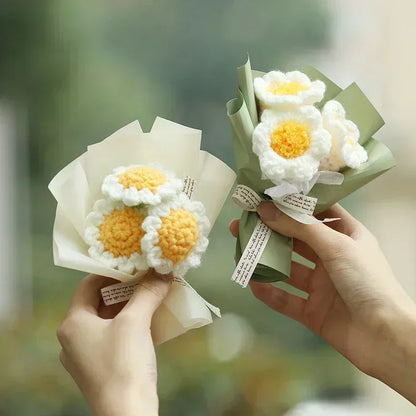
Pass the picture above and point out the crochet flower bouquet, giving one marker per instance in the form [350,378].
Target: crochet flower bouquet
[303,142]
[137,201]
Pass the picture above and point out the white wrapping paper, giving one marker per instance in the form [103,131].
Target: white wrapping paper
[78,186]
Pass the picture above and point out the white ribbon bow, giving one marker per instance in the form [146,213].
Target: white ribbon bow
[290,198]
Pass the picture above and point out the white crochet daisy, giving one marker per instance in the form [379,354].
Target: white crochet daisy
[114,233]
[176,235]
[279,89]
[290,144]
[140,184]
[345,149]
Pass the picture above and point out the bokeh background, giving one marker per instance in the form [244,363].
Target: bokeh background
[72,72]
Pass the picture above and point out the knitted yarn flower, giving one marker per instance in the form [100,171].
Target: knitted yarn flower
[114,233]
[345,148]
[122,236]
[290,144]
[176,235]
[277,89]
[140,184]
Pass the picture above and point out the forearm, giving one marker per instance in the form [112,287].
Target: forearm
[396,362]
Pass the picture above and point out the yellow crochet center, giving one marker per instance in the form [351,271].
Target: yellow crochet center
[287,88]
[178,235]
[142,177]
[121,232]
[291,139]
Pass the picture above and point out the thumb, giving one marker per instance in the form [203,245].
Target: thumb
[325,241]
[150,293]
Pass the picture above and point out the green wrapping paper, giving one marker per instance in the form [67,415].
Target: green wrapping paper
[275,261]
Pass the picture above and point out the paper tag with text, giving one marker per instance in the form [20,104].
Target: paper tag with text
[251,254]
[122,292]
[299,202]
[188,186]
[245,198]
[119,292]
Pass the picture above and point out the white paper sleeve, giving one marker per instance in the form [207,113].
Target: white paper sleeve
[77,186]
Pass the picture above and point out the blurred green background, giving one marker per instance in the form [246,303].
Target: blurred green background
[71,73]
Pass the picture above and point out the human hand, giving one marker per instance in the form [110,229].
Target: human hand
[108,350]
[354,301]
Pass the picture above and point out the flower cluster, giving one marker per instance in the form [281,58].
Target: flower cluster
[145,220]
[294,140]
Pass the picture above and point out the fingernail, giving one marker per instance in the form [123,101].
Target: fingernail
[268,212]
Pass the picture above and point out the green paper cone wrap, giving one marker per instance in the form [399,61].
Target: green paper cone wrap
[275,261]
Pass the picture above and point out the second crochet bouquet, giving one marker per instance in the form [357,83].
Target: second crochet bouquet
[304,143]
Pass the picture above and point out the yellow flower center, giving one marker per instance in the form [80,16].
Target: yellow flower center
[178,235]
[121,232]
[142,177]
[291,139]
[287,88]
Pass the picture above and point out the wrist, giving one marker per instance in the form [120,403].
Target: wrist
[395,357]
[130,399]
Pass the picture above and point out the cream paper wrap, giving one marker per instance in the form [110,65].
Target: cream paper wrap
[78,186]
